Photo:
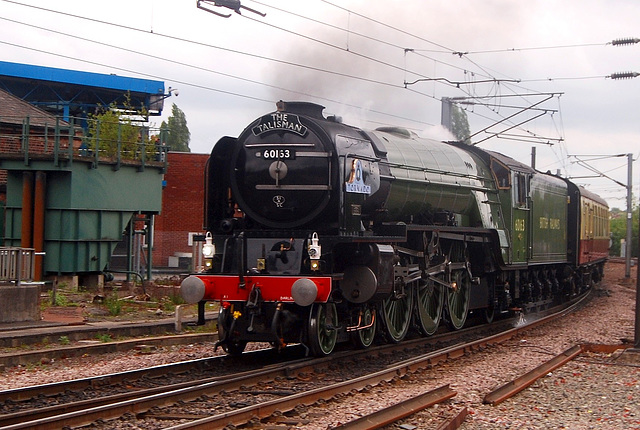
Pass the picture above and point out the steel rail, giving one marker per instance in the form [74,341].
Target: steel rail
[42,413]
[400,410]
[49,411]
[27,357]
[513,387]
[266,409]
[26,393]
[50,389]
[522,382]
[456,421]
[108,407]
[139,405]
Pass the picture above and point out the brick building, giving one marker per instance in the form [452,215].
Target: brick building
[182,208]
[23,125]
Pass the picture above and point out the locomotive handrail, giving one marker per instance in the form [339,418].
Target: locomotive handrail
[491,202]
[430,182]
[293,187]
[362,157]
[426,169]
[260,145]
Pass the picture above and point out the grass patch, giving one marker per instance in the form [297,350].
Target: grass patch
[104,338]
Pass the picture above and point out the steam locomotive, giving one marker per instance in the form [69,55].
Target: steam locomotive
[320,232]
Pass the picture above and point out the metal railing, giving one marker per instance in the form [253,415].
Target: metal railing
[86,139]
[17,264]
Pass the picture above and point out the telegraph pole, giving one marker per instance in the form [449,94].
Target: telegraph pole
[627,271]
[630,75]
[636,342]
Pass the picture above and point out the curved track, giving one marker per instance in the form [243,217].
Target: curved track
[301,381]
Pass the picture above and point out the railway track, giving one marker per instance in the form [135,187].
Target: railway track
[280,386]
[53,352]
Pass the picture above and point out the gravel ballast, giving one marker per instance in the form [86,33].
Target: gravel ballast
[595,390]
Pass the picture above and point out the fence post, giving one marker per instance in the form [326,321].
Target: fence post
[56,143]
[26,129]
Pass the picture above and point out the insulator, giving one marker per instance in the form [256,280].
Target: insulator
[627,41]
[624,75]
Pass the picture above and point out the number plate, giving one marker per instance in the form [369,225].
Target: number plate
[278,154]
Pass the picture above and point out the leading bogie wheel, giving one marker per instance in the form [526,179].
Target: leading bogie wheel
[396,312]
[322,328]
[458,299]
[233,347]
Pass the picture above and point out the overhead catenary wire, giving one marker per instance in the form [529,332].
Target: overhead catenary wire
[621,41]
[498,107]
[211,46]
[182,39]
[229,50]
[236,51]
[350,32]
[165,59]
[439,80]
[561,140]
[204,87]
[355,77]
[204,44]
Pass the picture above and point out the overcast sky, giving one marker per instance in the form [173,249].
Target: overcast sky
[355,56]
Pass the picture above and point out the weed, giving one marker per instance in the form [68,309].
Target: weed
[60,299]
[177,299]
[209,327]
[168,304]
[64,340]
[113,304]
[104,338]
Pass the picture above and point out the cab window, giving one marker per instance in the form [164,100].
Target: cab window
[520,189]
[501,174]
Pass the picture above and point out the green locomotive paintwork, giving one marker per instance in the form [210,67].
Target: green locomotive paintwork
[428,176]
[548,219]
[412,232]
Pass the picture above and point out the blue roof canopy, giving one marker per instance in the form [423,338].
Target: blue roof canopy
[76,93]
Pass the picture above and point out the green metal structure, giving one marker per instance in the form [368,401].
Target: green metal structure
[87,198]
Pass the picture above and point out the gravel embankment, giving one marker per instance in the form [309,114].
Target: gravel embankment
[594,391]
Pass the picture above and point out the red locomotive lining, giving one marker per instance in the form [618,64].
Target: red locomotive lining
[272,288]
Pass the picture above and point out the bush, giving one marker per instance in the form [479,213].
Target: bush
[113,304]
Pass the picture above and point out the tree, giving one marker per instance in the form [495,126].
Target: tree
[178,132]
[618,226]
[460,124]
[112,131]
